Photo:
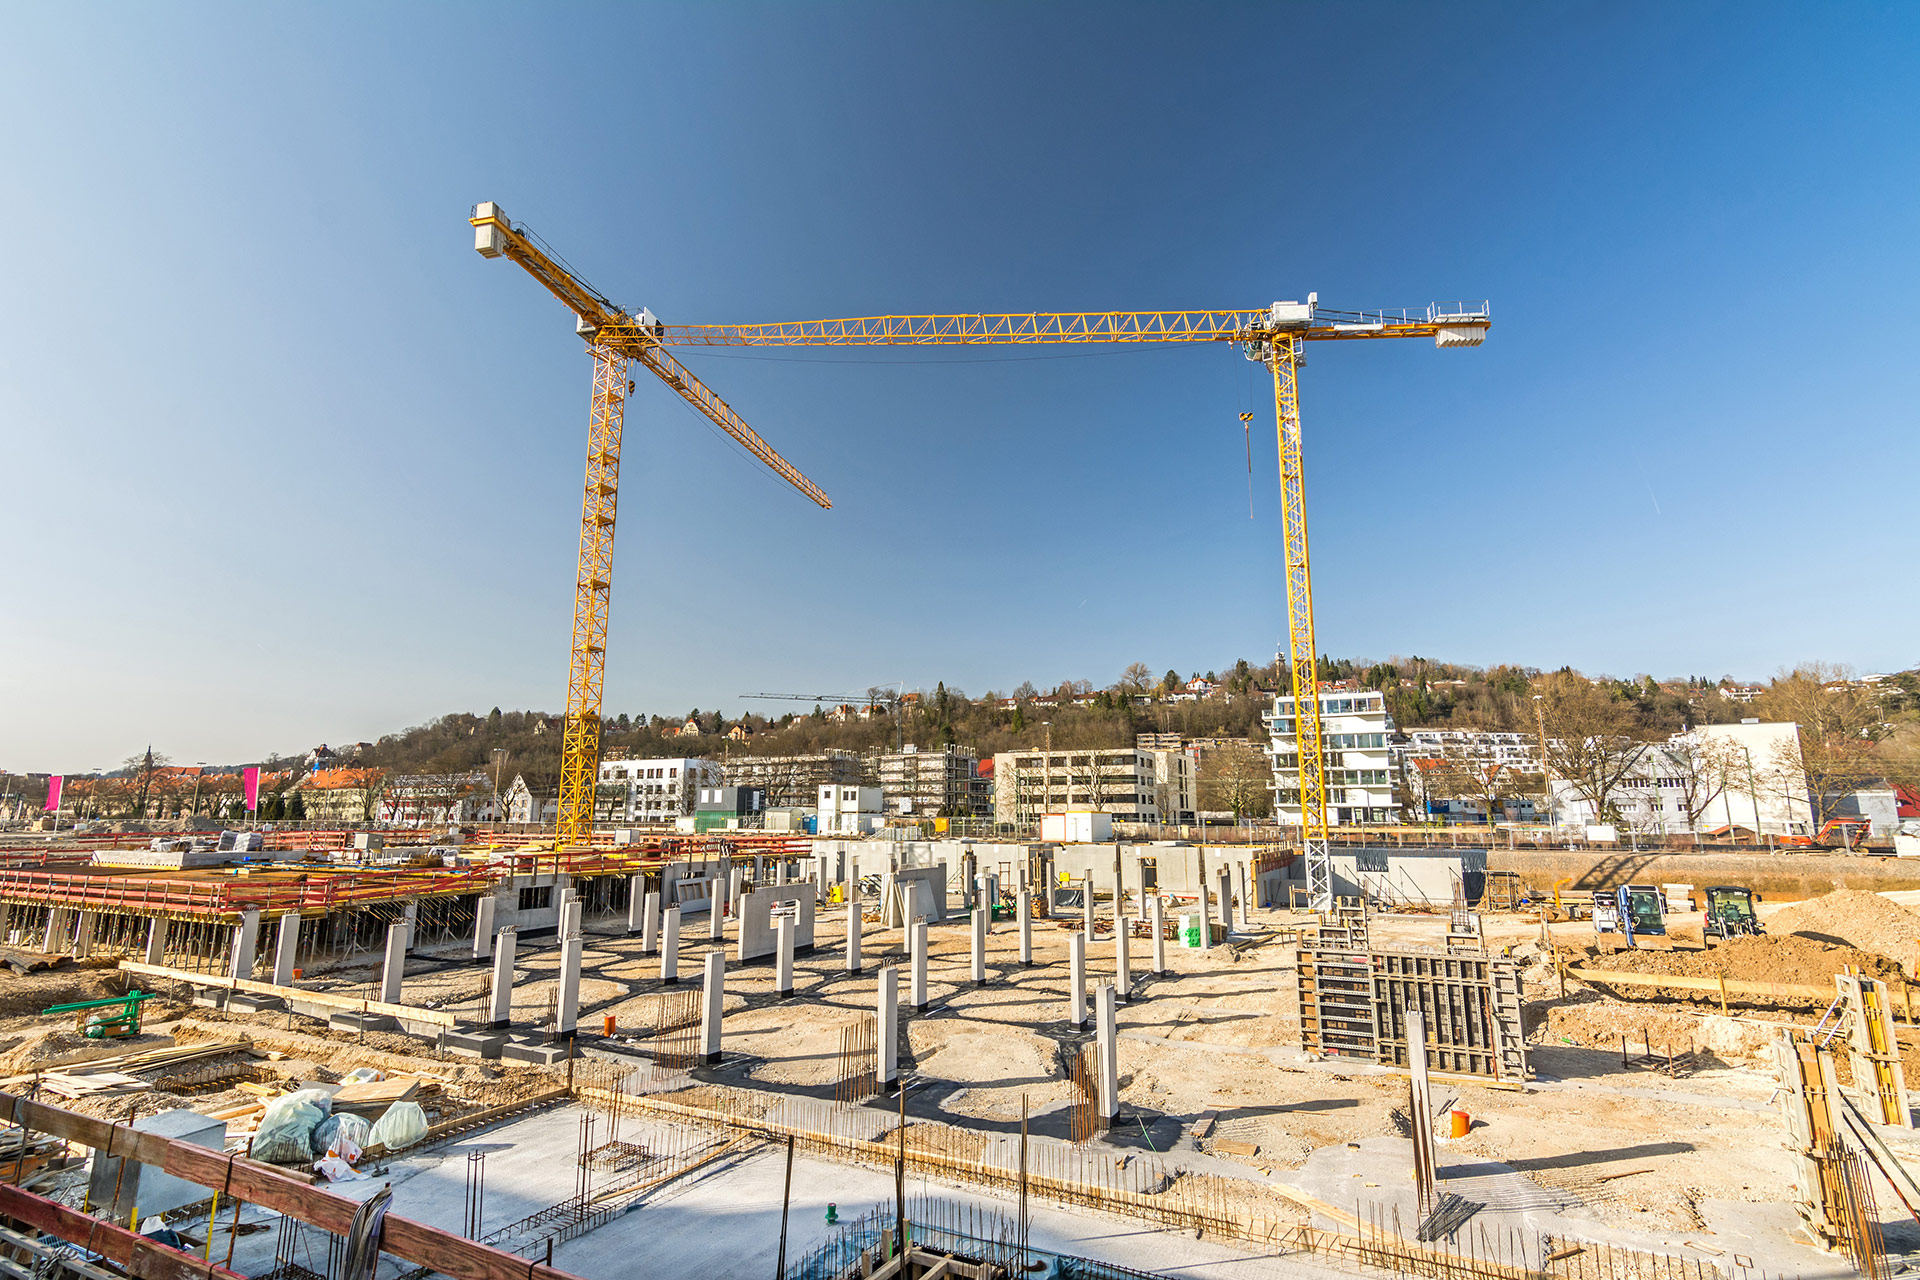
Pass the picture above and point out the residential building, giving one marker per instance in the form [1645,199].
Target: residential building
[1354,728]
[794,781]
[1741,692]
[345,796]
[1127,783]
[437,799]
[943,782]
[656,791]
[1421,758]
[533,799]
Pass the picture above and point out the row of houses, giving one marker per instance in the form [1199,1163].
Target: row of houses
[1744,776]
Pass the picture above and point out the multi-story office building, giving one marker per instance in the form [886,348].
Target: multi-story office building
[1130,784]
[944,782]
[648,791]
[1354,727]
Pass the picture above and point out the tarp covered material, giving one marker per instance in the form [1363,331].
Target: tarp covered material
[285,1132]
[403,1125]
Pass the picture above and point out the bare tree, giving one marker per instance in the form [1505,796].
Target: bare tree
[1836,749]
[1137,678]
[1593,740]
[1704,768]
[1237,777]
[1463,774]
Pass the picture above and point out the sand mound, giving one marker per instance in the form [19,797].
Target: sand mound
[1774,957]
[1854,918]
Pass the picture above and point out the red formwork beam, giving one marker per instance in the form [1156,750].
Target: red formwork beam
[135,1254]
[238,1178]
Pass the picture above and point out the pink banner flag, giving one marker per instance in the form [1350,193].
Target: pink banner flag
[53,791]
[250,786]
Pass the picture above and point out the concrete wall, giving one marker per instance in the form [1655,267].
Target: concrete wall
[757,939]
[1419,876]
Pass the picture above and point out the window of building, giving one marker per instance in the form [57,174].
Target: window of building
[536,898]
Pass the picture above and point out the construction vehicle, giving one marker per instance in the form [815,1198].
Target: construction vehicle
[1274,337]
[1835,833]
[1631,916]
[1730,913]
[101,1024]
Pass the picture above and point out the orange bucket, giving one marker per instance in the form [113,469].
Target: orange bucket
[1457,1124]
[607,1029]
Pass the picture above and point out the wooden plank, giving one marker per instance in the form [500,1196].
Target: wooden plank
[136,1254]
[405,1012]
[262,1184]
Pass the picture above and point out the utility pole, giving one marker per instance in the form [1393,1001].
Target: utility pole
[1546,770]
[1046,784]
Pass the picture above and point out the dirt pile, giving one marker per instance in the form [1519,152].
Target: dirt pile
[1775,957]
[1853,918]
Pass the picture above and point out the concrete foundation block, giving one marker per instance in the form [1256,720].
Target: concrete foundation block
[248,1002]
[353,1021]
[474,1044]
[540,1053]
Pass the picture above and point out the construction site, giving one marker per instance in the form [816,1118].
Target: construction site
[598,1053]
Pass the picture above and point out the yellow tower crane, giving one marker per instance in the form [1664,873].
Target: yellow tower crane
[1275,337]
[616,339]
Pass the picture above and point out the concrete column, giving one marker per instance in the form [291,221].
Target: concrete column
[917,943]
[287,947]
[1159,935]
[1077,981]
[245,936]
[500,1008]
[637,909]
[670,947]
[567,1015]
[156,941]
[783,957]
[570,919]
[780,873]
[1226,898]
[980,923]
[83,938]
[649,924]
[716,915]
[1206,918]
[1106,1039]
[1122,964]
[396,963]
[886,901]
[483,927]
[56,929]
[1086,898]
[1023,909]
[711,1006]
[853,927]
[888,1015]
[725,885]
[735,878]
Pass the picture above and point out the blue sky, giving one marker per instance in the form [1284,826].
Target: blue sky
[285,461]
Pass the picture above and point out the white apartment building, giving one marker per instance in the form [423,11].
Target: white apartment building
[1354,727]
[1127,783]
[1419,755]
[661,791]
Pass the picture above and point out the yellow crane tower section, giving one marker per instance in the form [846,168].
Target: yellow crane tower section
[1275,337]
[616,339]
